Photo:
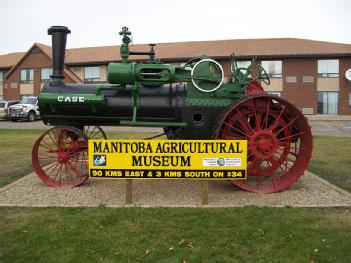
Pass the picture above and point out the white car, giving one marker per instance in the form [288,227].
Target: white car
[4,108]
[27,109]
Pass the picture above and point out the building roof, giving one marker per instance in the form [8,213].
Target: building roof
[8,60]
[46,51]
[242,48]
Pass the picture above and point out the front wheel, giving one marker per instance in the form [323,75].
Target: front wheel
[60,157]
[31,116]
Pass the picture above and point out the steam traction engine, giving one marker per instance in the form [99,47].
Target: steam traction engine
[189,102]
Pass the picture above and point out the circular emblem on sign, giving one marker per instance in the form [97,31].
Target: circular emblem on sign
[221,162]
[348,74]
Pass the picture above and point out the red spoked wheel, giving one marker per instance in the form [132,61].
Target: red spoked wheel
[60,157]
[94,132]
[279,141]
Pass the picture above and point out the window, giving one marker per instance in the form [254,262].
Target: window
[244,64]
[77,69]
[350,100]
[328,103]
[27,76]
[273,68]
[1,77]
[328,68]
[290,79]
[275,93]
[45,74]
[307,79]
[91,74]
[1,98]
[28,99]
[24,98]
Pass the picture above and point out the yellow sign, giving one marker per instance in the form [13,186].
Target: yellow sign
[168,159]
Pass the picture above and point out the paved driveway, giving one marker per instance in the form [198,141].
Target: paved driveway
[326,128]
[331,128]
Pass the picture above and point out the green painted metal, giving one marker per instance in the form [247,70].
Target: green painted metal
[116,88]
[148,74]
[204,79]
[124,49]
[54,99]
[152,124]
[203,75]
[71,99]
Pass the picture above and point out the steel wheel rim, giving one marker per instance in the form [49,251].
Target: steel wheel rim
[94,132]
[279,141]
[60,157]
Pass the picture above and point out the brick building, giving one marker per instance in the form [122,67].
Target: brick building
[310,74]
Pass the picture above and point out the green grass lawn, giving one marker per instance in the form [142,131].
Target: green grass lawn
[167,235]
[16,151]
[331,160]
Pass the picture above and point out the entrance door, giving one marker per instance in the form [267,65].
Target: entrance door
[328,103]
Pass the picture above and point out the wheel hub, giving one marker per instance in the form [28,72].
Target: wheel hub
[264,144]
[62,157]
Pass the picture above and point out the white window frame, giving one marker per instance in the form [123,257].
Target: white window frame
[1,77]
[325,68]
[308,79]
[48,76]
[30,75]
[278,64]
[244,64]
[93,73]
[328,94]
[291,79]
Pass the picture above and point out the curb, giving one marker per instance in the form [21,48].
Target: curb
[336,188]
[24,178]
[184,206]
[320,117]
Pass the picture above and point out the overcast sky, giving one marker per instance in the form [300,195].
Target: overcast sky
[97,22]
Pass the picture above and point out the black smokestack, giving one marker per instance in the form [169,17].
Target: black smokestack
[59,37]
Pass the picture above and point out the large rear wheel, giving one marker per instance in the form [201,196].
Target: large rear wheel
[279,141]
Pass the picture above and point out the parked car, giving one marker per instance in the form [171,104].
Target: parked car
[27,109]
[4,108]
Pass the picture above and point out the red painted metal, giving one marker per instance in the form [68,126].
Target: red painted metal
[60,157]
[279,141]
[254,87]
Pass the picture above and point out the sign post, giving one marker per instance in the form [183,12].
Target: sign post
[204,199]
[129,191]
